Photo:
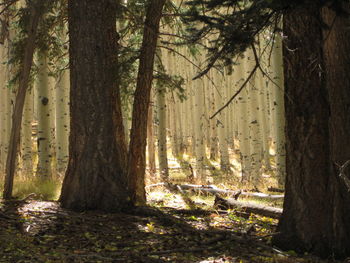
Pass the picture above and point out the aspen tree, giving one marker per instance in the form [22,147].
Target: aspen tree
[199,127]
[254,122]
[213,127]
[150,138]
[44,132]
[229,116]
[263,119]
[26,135]
[162,134]
[243,123]
[278,111]
[62,121]
[221,122]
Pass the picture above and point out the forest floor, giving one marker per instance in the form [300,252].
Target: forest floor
[41,231]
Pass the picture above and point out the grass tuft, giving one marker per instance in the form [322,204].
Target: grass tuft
[45,189]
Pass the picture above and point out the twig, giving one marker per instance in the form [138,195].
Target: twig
[191,62]
[180,250]
[3,215]
[237,92]
[7,6]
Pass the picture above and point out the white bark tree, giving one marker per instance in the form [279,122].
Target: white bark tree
[44,130]
[62,121]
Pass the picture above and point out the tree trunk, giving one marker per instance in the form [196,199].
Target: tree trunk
[5,106]
[162,134]
[26,137]
[277,110]
[138,135]
[150,139]
[337,66]
[95,177]
[316,215]
[44,169]
[36,13]
[62,121]
[221,122]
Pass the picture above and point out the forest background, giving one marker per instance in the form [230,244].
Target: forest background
[233,54]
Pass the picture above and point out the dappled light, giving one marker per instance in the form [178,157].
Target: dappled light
[174,131]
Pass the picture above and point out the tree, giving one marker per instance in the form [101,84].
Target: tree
[316,215]
[317,202]
[95,177]
[35,14]
[138,135]
[43,100]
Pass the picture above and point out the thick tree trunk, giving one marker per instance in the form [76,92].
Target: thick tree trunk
[337,66]
[316,216]
[95,177]
[138,136]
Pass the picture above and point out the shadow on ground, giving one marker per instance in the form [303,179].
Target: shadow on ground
[36,231]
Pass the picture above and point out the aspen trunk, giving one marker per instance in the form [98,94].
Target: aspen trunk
[162,134]
[26,136]
[278,111]
[150,139]
[44,169]
[62,121]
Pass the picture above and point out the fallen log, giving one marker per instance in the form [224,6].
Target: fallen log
[262,195]
[248,207]
[274,189]
[215,190]
[212,189]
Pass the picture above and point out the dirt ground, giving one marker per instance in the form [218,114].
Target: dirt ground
[39,231]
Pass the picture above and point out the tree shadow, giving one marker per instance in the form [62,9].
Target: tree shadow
[44,232]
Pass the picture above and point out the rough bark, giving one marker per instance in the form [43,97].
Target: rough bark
[95,177]
[36,13]
[138,136]
[316,216]
[337,66]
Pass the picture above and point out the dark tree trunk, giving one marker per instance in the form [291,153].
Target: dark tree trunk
[337,67]
[138,136]
[316,208]
[95,177]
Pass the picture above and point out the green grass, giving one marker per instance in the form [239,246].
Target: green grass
[44,189]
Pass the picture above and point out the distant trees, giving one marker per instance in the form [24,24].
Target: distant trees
[36,10]
[316,211]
